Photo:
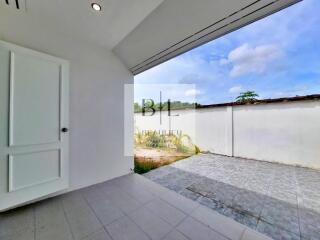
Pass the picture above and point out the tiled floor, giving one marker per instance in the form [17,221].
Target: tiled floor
[127,208]
[280,201]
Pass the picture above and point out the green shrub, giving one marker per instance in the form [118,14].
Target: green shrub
[179,142]
[138,137]
[155,140]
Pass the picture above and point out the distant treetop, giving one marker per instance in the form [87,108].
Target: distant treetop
[248,96]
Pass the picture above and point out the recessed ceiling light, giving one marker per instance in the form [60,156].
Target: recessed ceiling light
[96,7]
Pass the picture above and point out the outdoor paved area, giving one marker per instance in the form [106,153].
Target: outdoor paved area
[280,201]
[127,208]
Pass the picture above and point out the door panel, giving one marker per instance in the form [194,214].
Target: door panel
[22,167]
[34,100]
[34,94]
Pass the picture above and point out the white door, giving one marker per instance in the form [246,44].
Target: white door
[33,125]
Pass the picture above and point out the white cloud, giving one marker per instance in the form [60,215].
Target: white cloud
[192,78]
[193,93]
[236,89]
[246,59]
[224,61]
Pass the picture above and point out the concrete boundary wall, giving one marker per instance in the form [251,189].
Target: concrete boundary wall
[286,132]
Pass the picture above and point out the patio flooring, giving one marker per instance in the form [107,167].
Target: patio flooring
[280,201]
[126,208]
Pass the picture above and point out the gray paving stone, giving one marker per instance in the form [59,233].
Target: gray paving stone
[15,221]
[165,211]
[250,186]
[311,204]
[204,187]
[134,189]
[224,193]
[73,201]
[54,232]
[25,234]
[283,195]
[249,203]
[92,193]
[197,231]
[257,185]
[178,201]
[281,214]
[175,235]
[275,232]
[176,181]
[165,170]
[174,186]
[150,223]
[105,210]
[242,218]
[50,221]
[80,217]
[83,223]
[309,217]
[190,194]
[126,229]
[100,235]
[219,223]
[253,235]
[214,205]
[309,224]
[307,194]
[120,198]
[309,231]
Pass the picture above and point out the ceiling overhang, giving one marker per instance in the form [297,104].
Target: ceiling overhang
[174,28]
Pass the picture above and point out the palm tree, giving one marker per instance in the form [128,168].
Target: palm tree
[248,96]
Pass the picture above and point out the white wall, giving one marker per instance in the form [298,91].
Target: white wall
[276,132]
[213,130]
[286,133]
[208,128]
[97,81]
[185,122]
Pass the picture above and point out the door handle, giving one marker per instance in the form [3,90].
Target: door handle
[64,130]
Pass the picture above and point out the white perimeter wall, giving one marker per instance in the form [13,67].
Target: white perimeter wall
[97,81]
[287,133]
[279,132]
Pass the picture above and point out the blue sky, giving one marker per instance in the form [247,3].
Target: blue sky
[277,56]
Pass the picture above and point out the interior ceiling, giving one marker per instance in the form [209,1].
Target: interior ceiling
[76,18]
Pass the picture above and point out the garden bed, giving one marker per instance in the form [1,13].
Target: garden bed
[146,159]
